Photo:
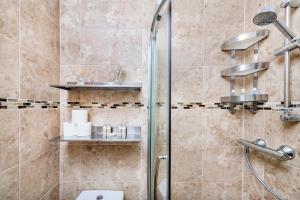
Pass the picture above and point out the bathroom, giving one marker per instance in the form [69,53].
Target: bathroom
[149,100]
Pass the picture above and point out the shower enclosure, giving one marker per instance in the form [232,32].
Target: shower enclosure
[159,158]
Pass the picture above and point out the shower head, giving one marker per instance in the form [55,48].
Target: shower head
[265,16]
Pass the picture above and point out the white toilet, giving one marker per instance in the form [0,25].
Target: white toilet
[101,195]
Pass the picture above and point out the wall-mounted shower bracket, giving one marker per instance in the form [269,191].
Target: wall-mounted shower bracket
[243,42]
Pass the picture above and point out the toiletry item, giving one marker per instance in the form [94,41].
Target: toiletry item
[79,116]
[83,129]
[69,129]
[124,132]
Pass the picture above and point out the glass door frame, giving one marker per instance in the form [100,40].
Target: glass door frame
[152,89]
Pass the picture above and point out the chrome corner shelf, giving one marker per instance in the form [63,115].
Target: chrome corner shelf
[245,69]
[129,86]
[245,40]
[133,135]
[259,98]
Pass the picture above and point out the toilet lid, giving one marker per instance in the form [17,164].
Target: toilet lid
[101,195]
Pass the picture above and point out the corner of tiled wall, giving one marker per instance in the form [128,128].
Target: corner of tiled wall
[29,46]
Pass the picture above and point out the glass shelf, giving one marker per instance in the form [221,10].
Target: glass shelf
[259,98]
[134,86]
[97,138]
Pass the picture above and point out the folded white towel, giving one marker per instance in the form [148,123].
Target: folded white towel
[79,116]
[83,129]
[69,129]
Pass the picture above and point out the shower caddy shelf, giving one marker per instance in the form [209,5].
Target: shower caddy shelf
[133,136]
[241,43]
[117,86]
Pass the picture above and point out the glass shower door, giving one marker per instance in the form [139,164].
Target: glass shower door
[159,158]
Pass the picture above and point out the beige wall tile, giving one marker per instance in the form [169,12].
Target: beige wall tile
[187,84]
[38,32]
[221,190]
[222,127]
[9,141]
[70,163]
[69,190]
[186,190]
[225,165]
[53,194]
[70,46]
[188,14]
[70,13]
[37,73]
[39,175]
[284,179]
[254,125]
[9,73]
[250,11]
[37,127]
[9,184]
[186,163]
[188,47]
[9,19]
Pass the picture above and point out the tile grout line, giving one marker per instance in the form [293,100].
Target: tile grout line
[50,189]
[19,115]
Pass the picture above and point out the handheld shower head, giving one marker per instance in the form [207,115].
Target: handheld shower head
[265,16]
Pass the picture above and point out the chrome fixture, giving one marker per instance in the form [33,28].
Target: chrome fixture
[243,42]
[283,153]
[267,16]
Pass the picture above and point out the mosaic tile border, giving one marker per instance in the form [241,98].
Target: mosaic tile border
[11,103]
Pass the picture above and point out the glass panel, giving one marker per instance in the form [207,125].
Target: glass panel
[159,108]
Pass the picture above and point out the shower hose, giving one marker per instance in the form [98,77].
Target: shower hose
[264,184]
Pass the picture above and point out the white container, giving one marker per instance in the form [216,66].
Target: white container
[69,129]
[79,116]
[83,129]
[101,194]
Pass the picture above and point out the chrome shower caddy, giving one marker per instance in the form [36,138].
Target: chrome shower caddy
[241,43]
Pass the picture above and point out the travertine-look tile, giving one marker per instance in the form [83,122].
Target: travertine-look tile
[254,125]
[53,194]
[9,73]
[131,189]
[37,73]
[186,163]
[114,163]
[71,163]
[188,14]
[217,15]
[222,127]
[39,175]
[187,127]
[186,190]
[70,13]
[9,184]
[250,11]
[187,84]
[9,140]
[214,86]
[37,127]
[222,164]
[221,190]
[38,32]
[9,19]
[187,46]
[69,190]
[279,133]
[51,8]
[70,46]
[252,189]
[284,179]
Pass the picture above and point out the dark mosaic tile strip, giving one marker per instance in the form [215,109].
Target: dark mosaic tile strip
[8,103]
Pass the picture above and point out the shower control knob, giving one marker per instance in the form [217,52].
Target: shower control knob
[261,143]
[288,152]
